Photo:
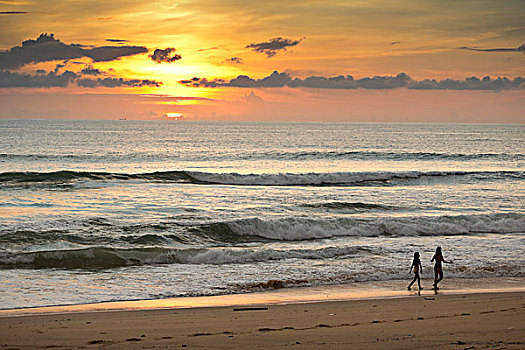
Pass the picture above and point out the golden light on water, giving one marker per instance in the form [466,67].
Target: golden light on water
[173,115]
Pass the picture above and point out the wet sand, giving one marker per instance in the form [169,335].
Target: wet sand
[493,320]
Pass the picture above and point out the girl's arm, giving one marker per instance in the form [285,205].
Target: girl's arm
[448,262]
[420,267]
[411,267]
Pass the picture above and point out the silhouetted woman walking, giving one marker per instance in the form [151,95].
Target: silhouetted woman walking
[438,269]
[416,267]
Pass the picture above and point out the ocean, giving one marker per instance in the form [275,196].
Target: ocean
[94,211]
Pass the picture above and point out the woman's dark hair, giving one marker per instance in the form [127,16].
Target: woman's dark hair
[416,255]
[438,250]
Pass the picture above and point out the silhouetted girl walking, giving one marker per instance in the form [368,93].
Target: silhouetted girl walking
[438,269]
[416,267]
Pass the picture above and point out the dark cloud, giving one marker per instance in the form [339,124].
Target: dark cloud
[58,66]
[117,40]
[395,42]
[203,82]
[401,80]
[43,79]
[90,70]
[472,83]
[13,13]
[517,49]
[234,60]
[384,82]
[111,53]
[116,82]
[167,55]
[271,47]
[46,48]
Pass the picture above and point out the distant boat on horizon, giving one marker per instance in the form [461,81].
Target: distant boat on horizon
[123,119]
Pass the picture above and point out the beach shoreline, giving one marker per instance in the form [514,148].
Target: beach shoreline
[297,295]
[445,320]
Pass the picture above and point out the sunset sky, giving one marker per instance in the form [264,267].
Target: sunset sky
[399,61]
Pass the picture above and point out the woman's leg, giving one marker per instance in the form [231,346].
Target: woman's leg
[438,277]
[440,272]
[411,283]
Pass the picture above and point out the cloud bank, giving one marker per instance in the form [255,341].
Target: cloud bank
[116,82]
[167,55]
[39,80]
[46,48]
[45,79]
[271,47]
[401,80]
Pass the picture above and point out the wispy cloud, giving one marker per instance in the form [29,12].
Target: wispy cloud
[117,40]
[401,80]
[46,48]
[499,49]
[13,13]
[208,49]
[272,46]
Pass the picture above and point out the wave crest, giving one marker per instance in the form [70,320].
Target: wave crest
[272,179]
[108,257]
[294,229]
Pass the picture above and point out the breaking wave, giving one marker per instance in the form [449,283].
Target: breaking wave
[168,234]
[387,155]
[108,257]
[160,247]
[280,155]
[296,229]
[278,179]
[353,206]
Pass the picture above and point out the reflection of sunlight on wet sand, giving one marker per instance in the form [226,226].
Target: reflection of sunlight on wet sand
[369,290]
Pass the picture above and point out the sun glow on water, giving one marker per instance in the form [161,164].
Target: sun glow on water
[173,115]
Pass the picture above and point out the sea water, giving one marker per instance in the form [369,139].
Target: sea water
[95,211]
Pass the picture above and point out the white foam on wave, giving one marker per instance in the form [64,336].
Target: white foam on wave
[319,179]
[300,179]
[294,229]
[227,255]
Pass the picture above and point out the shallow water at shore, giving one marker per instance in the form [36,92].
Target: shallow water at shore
[275,295]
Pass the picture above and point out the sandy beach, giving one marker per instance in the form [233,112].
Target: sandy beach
[492,320]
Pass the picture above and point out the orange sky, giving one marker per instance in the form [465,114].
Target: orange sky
[54,78]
